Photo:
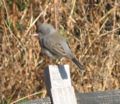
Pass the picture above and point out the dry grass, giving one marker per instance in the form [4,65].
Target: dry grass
[92,28]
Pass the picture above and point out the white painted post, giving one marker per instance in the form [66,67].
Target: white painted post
[58,83]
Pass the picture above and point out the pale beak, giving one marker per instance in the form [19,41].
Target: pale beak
[36,35]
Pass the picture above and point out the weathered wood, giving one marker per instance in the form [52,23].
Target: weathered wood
[102,97]
[58,83]
[38,101]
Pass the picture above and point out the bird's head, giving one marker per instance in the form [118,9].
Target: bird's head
[43,29]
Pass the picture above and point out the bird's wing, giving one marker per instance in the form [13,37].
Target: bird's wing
[56,45]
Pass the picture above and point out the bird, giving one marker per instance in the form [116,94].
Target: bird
[53,44]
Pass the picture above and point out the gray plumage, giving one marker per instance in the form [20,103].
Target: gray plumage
[53,44]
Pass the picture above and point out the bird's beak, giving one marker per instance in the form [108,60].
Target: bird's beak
[36,35]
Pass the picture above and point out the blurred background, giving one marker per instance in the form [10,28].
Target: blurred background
[92,29]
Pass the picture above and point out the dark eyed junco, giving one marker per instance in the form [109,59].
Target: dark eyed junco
[53,44]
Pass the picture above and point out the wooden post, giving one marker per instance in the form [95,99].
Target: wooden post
[58,83]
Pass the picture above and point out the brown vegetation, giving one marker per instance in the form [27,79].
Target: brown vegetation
[92,28]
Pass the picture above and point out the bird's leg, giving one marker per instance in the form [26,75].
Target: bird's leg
[49,61]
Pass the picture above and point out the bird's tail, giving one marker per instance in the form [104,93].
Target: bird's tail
[80,66]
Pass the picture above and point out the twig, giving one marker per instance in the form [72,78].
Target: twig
[72,11]
[35,21]
[56,13]
[98,38]
[14,102]
[5,8]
